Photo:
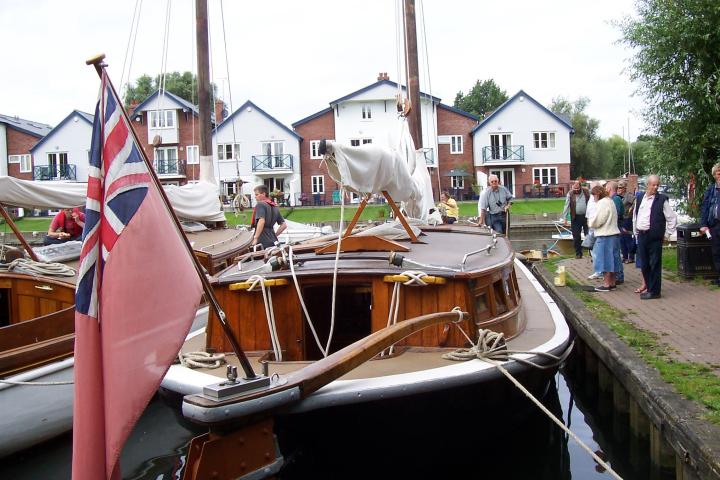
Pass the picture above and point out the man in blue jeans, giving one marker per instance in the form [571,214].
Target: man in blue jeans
[494,204]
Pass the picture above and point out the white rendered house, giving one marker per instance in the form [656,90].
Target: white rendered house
[63,154]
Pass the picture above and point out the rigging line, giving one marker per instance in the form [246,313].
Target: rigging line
[433,109]
[398,41]
[133,29]
[193,87]
[335,268]
[227,71]
[163,63]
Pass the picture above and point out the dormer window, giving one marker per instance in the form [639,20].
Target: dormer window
[366,112]
[162,118]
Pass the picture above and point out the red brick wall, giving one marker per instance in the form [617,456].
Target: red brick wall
[19,143]
[526,177]
[451,123]
[322,127]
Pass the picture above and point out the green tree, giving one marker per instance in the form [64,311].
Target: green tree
[588,156]
[184,85]
[676,62]
[482,99]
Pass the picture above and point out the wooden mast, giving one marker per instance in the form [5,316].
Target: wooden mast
[411,72]
[204,92]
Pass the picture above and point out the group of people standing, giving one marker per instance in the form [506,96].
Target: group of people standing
[622,227]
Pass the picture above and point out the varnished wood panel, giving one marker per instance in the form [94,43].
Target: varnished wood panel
[27,308]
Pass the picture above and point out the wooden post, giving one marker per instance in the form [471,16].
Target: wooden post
[605,390]
[621,411]
[400,216]
[639,437]
[355,219]
[411,70]
[17,233]
[204,92]
[662,457]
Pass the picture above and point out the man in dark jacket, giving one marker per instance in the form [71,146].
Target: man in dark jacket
[653,221]
[576,203]
[265,215]
[710,217]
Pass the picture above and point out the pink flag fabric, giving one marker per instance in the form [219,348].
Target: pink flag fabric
[136,297]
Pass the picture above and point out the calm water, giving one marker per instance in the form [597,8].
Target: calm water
[353,445]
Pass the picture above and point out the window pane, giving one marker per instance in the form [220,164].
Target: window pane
[551,140]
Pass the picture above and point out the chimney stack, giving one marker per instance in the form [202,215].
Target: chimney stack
[383,76]
[219,111]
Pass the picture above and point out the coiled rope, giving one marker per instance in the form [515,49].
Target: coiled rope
[31,267]
[415,277]
[259,281]
[36,384]
[491,348]
[201,359]
[302,303]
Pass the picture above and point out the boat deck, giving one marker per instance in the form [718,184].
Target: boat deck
[539,329]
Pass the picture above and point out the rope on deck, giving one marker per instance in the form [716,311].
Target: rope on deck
[36,384]
[24,265]
[492,348]
[201,359]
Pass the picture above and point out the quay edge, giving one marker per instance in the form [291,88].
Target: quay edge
[696,442]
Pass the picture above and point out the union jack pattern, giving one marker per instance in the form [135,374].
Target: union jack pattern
[118,181]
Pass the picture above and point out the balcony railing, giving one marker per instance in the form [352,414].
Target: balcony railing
[510,153]
[60,172]
[269,163]
[169,167]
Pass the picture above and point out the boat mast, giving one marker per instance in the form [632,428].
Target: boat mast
[204,92]
[412,79]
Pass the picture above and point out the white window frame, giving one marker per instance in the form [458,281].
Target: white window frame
[317,183]
[549,139]
[229,189]
[162,119]
[165,151]
[457,182]
[544,173]
[58,158]
[366,111]
[315,149]
[14,158]
[192,153]
[25,162]
[234,150]
[456,144]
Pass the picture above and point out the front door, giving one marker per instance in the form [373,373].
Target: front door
[506,176]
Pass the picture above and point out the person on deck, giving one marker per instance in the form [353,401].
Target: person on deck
[710,217]
[265,215]
[494,205]
[576,204]
[448,208]
[607,243]
[67,225]
[653,220]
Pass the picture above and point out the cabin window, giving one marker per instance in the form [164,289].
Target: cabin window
[544,140]
[366,112]
[318,184]
[456,144]
[500,297]
[228,151]
[545,176]
[481,307]
[353,306]
[193,154]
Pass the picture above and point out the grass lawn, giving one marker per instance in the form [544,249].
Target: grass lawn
[29,224]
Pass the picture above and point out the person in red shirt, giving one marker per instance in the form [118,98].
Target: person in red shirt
[67,225]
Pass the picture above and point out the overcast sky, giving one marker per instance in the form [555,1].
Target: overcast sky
[292,58]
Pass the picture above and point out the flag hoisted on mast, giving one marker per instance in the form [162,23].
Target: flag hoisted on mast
[136,297]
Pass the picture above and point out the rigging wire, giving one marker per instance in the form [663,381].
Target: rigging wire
[163,67]
[227,71]
[193,80]
[398,43]
[132,38]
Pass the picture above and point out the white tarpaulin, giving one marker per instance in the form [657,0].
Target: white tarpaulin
[400,171]
[198,201]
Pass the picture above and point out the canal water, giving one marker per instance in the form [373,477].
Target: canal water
[523,446]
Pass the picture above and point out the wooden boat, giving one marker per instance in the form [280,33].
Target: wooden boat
[37,317]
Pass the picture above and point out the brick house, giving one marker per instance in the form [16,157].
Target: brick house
[63,154]
[168,129]
[369,115]
[17,137]
[526,145]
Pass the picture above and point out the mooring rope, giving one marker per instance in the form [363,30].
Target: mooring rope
[491,348]
[415,277]
[302,302]
[201,359]
[24,265]
[37,384]
[259,280]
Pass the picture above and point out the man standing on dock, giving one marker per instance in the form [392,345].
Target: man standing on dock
[710,217]
[494,204]
[576,203]
[653,221]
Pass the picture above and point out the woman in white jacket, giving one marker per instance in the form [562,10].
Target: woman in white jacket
[607,234]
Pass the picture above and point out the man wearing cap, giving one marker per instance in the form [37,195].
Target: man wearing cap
[576,203]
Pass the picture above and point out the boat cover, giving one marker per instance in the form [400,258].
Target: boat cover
[400,171]
[194,201]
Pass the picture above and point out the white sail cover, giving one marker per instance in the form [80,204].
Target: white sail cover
[400,171]
[198,201]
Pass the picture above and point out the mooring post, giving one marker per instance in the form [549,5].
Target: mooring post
[662,457]
[605,390]
[621,411]
[639,437]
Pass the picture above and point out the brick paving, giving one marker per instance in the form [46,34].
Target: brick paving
[686,317]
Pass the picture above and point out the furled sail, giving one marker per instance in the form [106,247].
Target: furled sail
[401,171]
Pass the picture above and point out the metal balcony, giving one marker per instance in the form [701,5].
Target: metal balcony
[55,172]
[509,153]
[169,167]
[272,163]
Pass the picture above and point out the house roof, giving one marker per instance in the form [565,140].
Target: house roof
[459,112]
[261,111]
[377,84]
[181,103]
[36,129]
[312,117]
[85,116]
[514,98]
